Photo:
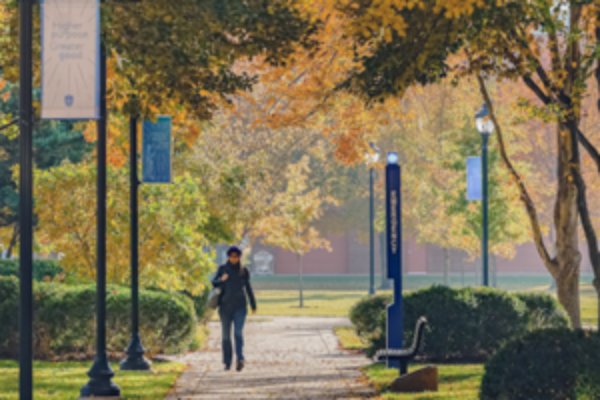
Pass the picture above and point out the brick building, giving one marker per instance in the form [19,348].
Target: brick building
[349,256]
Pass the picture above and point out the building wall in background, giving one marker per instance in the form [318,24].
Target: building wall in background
[350,256]
[318,261]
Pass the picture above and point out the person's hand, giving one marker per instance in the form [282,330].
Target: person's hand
[253,311]
[224,277]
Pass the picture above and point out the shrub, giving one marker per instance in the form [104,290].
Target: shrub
[498,316]
[200,301]
[64,319]
[543,311]
[464,324]
[9,318]
[41,269]
[555,364]
[369,319]
[167,320]
[451,317]
[467,324]
[364,315]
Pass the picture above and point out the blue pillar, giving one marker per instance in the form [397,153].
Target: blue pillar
[395,317]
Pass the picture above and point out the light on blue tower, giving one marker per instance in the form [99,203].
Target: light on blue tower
[394,259]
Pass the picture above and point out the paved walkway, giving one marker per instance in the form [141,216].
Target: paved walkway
[286,358]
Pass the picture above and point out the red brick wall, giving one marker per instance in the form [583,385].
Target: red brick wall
[318,261]
[414,257]
[349,256]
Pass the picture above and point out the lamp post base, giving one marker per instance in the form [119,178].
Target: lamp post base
[100,385]
[135,360]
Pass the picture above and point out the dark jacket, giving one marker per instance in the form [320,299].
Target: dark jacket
[235,289]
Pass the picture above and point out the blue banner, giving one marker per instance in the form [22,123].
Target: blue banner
[394,248]
[474,178]
[156,151]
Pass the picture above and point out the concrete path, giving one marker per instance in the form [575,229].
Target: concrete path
[286,358]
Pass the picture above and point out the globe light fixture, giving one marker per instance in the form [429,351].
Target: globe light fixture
[484,123]
[392,158]
[373,156]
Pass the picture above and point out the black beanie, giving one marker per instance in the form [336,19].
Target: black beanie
[234,249]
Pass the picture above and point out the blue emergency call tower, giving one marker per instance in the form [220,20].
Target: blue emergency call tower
[394,248]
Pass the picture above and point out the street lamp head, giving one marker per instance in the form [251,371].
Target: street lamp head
[373,157]
[392,158]
[484,122]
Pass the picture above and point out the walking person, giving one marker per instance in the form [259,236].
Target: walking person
[234,281]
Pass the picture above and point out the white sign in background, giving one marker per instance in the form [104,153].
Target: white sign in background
[70,59]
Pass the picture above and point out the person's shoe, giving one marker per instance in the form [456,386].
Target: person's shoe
[240,366]
[227,367]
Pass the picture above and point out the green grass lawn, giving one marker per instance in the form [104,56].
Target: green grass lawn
[316,303]
[63,380]
[350,283]
[589,306]
[348,338]
[455,381]
[321,303]
[334,295]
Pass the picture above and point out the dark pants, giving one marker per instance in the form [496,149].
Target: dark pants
[237,318]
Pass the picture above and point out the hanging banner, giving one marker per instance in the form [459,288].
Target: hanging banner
[156,151]
[474,178]
[70,59]
[395,317]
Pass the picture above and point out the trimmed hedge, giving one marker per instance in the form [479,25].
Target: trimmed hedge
[41,269]
[557,364]
[64,319]
[541,311]
[203,313]
[464,324]
[200,301]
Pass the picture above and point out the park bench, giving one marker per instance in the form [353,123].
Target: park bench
[405,355]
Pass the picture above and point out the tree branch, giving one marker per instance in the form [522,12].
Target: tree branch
[589,147]
[586,222]
[536,89]
[525,198]
[11,123]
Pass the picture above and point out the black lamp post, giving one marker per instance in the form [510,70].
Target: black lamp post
[100,384]
[26,201]
[372,158]
[485,126]
[135,360]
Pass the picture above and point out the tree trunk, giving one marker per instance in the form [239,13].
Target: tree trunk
[565,266]
[568,258]
[568,295]
[553,241]
[300,279]
[13,241]
[446,267]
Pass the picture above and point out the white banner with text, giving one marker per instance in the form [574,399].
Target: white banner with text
[70,59]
